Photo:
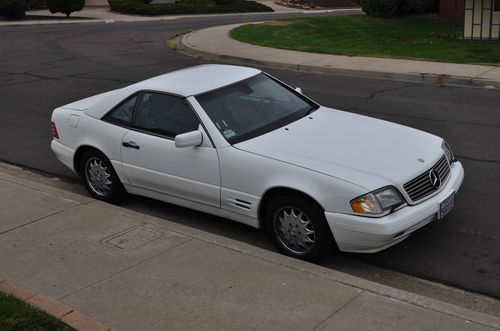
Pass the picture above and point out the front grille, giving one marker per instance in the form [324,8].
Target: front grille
[421,186]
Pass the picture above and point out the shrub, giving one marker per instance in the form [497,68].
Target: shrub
[65,6]
[13,9]
[202,3]
[138,7]
[380,8]
[417,6]
[36,4]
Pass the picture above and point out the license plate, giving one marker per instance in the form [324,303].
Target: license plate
[446,206]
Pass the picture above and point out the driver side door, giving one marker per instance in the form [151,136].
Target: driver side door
[151,160]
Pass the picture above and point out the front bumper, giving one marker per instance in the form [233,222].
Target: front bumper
[368,235]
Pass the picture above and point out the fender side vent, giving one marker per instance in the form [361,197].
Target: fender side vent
[240,203]
[242,206]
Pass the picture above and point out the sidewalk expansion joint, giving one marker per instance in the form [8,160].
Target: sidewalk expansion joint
[36,189]
[122,270]
[337,310]
[484,73]
[39,219]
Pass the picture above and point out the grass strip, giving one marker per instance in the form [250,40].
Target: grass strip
[424,37]
[15,315]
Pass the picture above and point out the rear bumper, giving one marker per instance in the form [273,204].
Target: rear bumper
[63,153]
[368,235]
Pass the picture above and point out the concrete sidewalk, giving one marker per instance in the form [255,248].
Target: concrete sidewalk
[131,271]
[216,44]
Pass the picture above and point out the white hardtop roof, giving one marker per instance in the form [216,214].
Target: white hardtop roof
[184,82]
[196,80]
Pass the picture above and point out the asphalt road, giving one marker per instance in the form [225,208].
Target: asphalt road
[42,67]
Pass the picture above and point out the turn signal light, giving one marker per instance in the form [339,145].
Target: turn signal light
[366,204]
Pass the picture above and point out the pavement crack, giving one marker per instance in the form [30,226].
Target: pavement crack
[104,79]
[376,93]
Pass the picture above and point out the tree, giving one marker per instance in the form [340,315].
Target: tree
[13,9]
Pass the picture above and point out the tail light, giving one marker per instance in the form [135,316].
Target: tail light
[53,130]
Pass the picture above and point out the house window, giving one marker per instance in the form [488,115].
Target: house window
[496,5]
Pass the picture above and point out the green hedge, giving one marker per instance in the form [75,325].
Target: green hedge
[13,9]
[388,8]
[141,7]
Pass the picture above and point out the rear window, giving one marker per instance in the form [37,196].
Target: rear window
[123,113]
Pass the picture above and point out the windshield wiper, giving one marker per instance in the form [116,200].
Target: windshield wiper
[312,109]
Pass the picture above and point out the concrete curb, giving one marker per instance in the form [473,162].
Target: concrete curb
[68,315]
[264,255]
[423,77]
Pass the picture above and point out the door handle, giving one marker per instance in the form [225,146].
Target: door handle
[130,144]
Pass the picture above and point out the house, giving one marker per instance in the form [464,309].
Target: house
[482,19]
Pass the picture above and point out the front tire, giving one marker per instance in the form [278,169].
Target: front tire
[100,178]
[298,228]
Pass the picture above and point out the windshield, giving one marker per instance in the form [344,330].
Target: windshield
[253,107]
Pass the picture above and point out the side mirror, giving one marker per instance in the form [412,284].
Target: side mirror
[189,139]
[298,89]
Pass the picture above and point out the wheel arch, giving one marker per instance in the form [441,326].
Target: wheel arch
[77,158]
[278,190]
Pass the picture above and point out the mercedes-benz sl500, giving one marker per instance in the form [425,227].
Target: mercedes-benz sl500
[236,142]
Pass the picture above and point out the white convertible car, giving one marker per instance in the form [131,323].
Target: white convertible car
[236,142]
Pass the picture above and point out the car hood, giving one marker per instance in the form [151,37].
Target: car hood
[362,150]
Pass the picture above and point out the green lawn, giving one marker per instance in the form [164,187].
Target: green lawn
[17,315]
[420,37]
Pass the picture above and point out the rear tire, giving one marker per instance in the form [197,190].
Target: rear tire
[100,177]
[298,228]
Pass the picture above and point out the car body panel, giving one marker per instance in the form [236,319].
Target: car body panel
[190,173]
[242,171]
[326,142]
[86,103]
[354,233]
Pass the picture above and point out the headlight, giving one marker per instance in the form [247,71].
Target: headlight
[378,202]
[447,151]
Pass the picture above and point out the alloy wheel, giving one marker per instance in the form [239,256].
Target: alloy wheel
[98,176]
[295,230]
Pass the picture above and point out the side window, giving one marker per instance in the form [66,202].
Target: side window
[122,114]
[165,115]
